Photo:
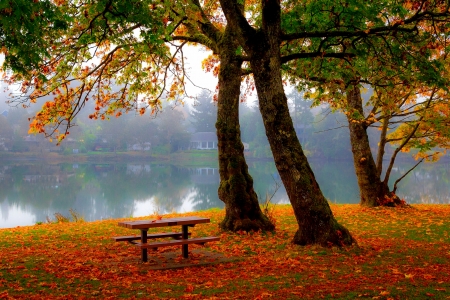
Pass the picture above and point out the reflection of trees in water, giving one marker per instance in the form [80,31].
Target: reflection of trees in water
[168,185]
[98,191]
[337,180]
[39,189]
[265,180]
[205,184]
[123,184]
[429,183]
[174,187]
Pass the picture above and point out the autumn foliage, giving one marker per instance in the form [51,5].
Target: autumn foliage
[402,254]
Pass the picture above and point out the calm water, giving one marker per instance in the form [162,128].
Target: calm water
[31,192]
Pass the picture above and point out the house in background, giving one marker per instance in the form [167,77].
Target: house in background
[203,140]
[147,146]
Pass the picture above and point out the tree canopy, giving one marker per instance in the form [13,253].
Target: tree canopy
[25,28]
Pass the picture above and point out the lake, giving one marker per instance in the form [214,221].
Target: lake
[32,192]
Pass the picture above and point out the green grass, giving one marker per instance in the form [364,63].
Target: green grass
[402,254]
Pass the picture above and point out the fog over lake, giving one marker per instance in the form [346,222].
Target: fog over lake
[32,192]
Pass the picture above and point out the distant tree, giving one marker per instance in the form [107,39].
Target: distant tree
[300,109]
[142,130]
[17,118]
[253,132]
[5,128]
[172,130]
[330,136]
[204,113]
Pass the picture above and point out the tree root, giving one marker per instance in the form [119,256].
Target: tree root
[235,224]
[392,200]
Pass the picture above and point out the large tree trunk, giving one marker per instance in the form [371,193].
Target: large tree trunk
[316,222]
[373,191]
[315,219]
[236,185]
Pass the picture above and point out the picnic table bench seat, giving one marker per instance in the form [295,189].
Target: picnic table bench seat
[131,238]
[201,240]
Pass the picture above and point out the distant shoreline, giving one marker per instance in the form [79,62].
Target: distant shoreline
[188,157]
[184,158]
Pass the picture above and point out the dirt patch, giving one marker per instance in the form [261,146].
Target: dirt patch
[166,260]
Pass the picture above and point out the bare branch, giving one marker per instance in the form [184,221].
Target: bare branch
[404,175]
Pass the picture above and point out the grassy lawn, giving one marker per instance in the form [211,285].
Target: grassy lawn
[402,254]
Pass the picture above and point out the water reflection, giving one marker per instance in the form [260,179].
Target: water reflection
[31,192]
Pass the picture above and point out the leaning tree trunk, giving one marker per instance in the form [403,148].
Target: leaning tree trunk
[373,191]
[236,185]
[315,219]
[316,222]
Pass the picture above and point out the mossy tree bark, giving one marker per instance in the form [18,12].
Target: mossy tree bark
[373,191]
[236,185]
[315,219]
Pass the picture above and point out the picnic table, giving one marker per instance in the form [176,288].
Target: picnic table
[179,238]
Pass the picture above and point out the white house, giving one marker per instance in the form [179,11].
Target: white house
[203,140]
[147,146]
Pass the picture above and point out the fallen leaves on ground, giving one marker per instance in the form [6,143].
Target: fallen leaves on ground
[403,253]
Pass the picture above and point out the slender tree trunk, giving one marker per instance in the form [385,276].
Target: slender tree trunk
[373,191]
[366,170]
[236,185]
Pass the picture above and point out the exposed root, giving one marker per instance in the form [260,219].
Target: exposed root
[392,200]
[235,224]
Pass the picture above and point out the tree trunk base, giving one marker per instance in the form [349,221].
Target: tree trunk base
[326,235]
[238,224]
[391,200]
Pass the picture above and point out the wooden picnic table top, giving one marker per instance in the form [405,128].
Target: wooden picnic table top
[143,224]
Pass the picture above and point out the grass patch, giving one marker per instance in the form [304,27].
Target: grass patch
[402,254]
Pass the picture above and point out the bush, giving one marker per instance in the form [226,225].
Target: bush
[161,149]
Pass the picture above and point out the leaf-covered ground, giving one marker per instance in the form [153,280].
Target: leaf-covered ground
[402,254]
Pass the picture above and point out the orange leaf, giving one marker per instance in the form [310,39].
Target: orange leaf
[189,288]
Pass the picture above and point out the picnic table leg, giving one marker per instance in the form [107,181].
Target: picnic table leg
[184,248]
[144,241]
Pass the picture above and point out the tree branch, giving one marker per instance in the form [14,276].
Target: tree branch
[236,19]
[340,33]
[405,141]
[404,175]
[287,58]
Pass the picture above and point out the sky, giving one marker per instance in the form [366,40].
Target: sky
[195,56]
